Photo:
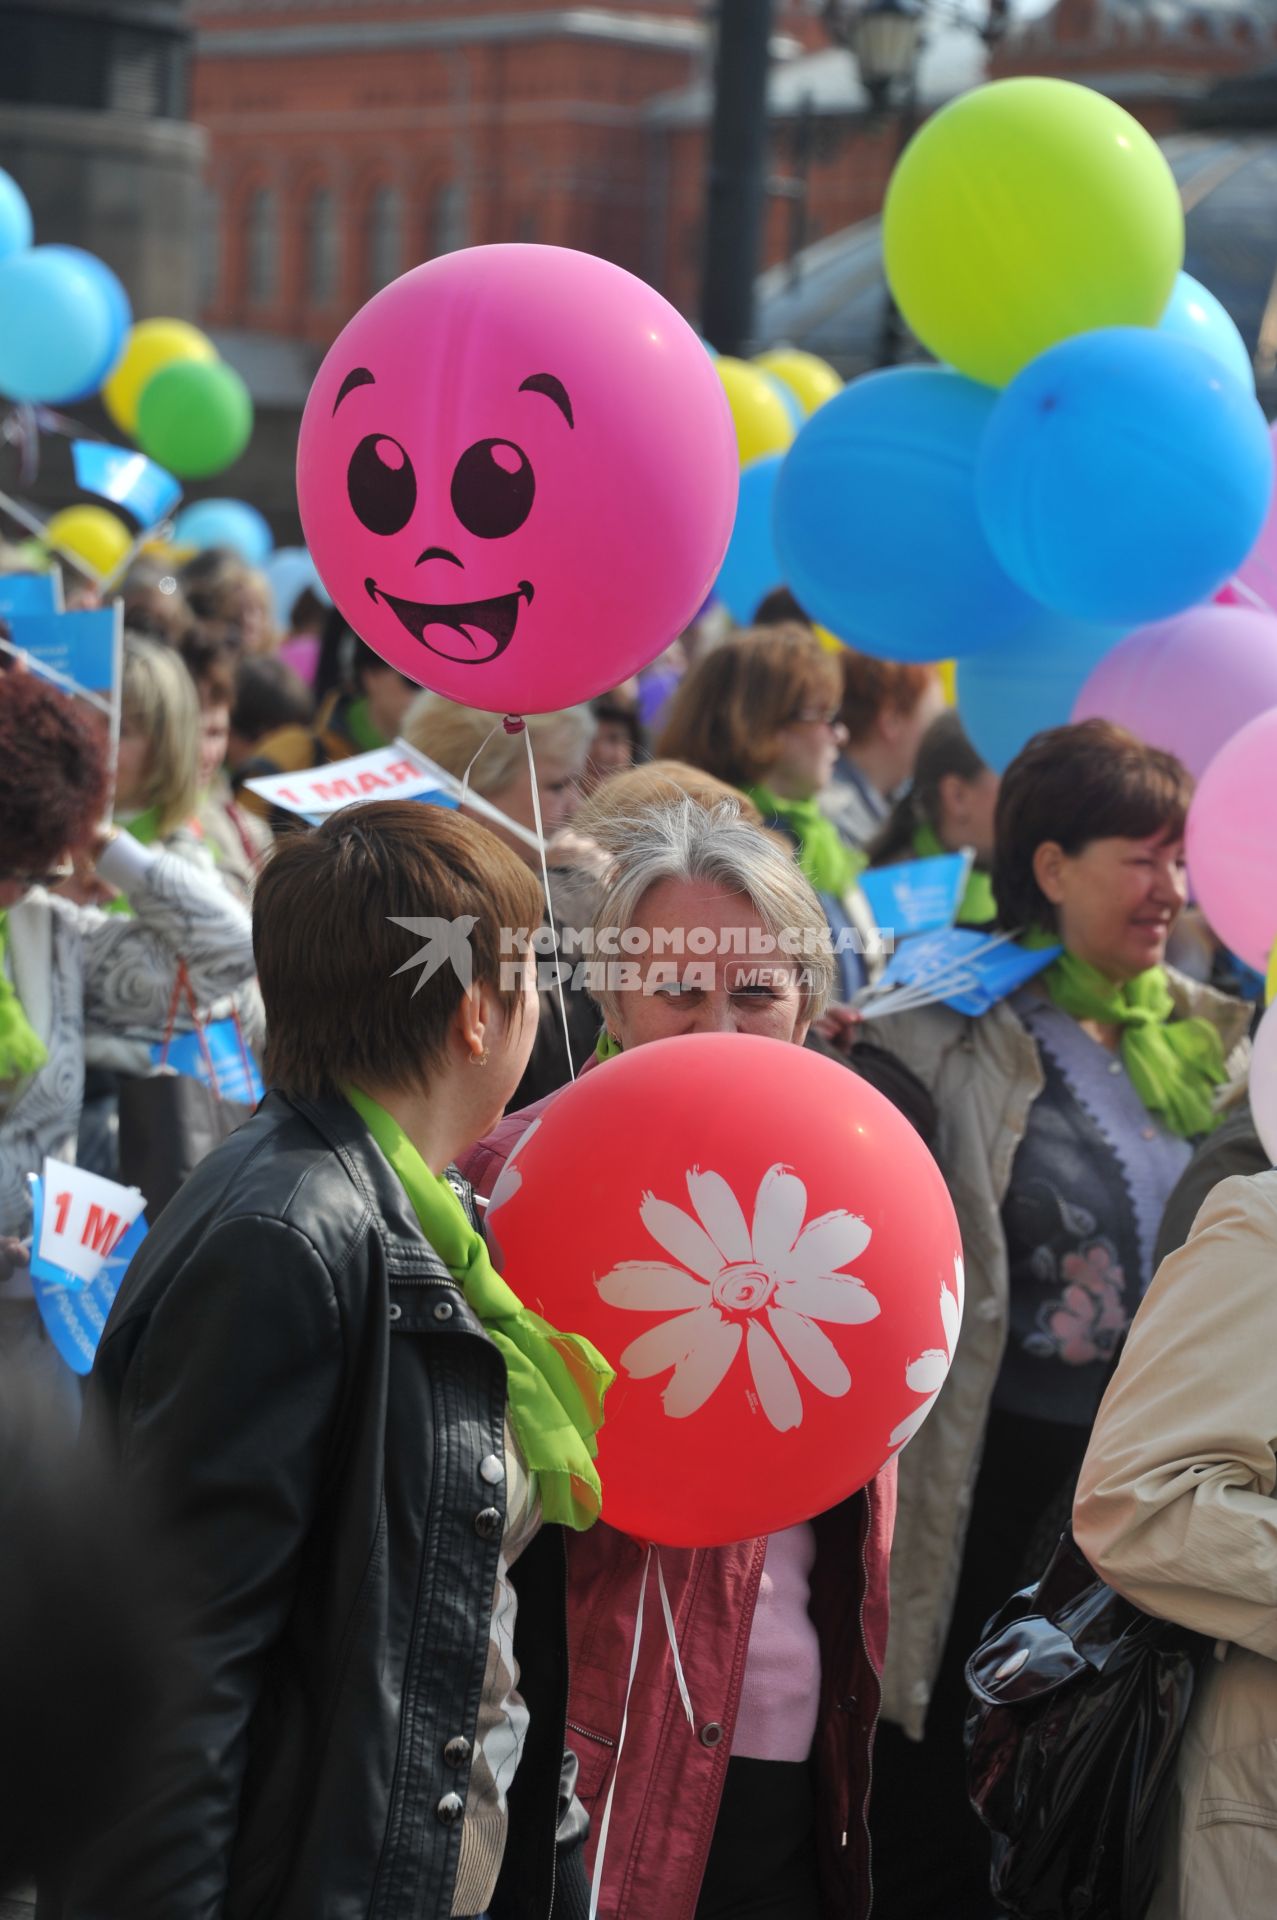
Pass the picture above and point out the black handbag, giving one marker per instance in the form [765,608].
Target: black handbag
[171,1121]
[1078,1705]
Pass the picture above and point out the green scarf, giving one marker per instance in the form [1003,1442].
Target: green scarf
[977,907]
[605,1047]
[824,856]
[1174,1065]
[555,1381]
[22,1051]
[145,828]
[362,732]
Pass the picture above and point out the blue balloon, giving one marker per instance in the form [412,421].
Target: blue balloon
[1124,476]
[290,571]
[1008,694]
[117,302]
[16,226]
[224,523]
[55,326]
[876,522]
[750,568]
[1194,314]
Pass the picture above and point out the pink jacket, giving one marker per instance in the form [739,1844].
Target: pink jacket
[670,1781]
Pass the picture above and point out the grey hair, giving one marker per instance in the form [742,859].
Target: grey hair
[684,841]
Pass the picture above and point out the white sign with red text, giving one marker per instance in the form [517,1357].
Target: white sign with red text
[84,1220]
[388,773]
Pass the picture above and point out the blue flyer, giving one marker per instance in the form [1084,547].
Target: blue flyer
[918,895]
[147,491]
[74,1313]
[81,646]
[969,971]
[23,593]
[236,1071]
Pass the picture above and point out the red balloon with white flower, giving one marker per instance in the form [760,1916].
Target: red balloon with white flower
[765,1251]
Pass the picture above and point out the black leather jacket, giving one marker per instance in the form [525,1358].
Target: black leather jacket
[292,1374]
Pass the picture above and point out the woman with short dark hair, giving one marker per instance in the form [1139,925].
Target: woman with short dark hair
[72,975]
[948,808]
[1065,1116]
[350,1430]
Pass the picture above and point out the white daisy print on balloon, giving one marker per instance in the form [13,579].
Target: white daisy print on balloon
[763,1283]
[927,1374]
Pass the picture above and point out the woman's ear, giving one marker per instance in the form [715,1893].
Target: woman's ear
[954,795]
[471,1023]
[1049,867]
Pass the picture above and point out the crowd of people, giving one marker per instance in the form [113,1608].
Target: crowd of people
[400,1676]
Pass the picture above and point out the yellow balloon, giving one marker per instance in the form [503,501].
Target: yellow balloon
[1022,213]
[1270,980]
[829,641]
[948,672]
[150,345]
[759,414]
[810,379]
[89,537]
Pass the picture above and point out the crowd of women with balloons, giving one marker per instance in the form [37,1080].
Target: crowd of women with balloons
[570,1411]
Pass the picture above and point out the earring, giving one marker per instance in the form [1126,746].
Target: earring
[479,1059]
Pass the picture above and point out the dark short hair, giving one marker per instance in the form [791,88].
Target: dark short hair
[779,609]
[268,695]
[1075,784]
[338,1008]
[211,655]
[53,773]
[945,750]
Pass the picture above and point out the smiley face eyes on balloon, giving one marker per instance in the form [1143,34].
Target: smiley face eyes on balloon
[492,489]
[381,484]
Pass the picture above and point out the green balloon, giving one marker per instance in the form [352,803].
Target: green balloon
[194,417]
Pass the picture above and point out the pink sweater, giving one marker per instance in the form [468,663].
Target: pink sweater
[780,1693]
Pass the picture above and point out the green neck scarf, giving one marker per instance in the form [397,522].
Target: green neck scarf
[824,856]
[359,726]
[605,1047]
[555,1381]
[22,1051]
[977,906]
[1174,1065]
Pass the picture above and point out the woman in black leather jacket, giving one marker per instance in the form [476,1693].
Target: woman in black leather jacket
[350,1432]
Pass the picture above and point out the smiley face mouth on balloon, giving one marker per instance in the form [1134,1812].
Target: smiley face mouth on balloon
[480,630]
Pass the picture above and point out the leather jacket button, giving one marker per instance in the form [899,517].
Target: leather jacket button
[710,1734]
[444,1310]
[396,1311]
[457,1752]
[488,1523]
[492,1470]
[450,1809]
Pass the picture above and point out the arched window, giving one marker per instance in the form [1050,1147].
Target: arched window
[208,246]
[321,246]
[385,237]
[263,247]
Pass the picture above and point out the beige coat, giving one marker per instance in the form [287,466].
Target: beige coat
[1175,1509]
[984,1075]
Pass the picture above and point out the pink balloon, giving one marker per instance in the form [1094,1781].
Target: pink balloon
[1232,848]
[1258,570]
[517,475]
[1187,684]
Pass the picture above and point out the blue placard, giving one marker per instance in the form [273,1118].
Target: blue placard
[24,593]
[918,895]
[237,1072]
[133,482]
[73,1313]
[976,974]
[80,646]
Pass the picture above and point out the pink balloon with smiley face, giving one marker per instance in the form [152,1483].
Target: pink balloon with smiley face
[517,475]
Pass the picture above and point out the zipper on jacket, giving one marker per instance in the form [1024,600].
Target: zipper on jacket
[588,1733]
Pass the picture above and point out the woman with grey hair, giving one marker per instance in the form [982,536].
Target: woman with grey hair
[762,1810]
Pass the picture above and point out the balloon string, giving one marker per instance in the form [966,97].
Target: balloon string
[465,778]
[597,1882]
[545,881]
[679,1675]
[1247,592]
